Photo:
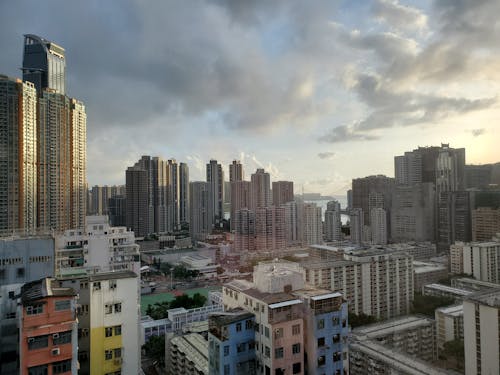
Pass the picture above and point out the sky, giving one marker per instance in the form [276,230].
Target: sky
[317,92]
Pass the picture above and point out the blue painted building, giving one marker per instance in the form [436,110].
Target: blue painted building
[232,343]
[327,330]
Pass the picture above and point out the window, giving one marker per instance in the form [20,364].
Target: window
[61,367]
[108,309]
[337,356]
[20,272]
[296,348]
[63,305]
[38,342]
[241,347]
[336,339]
[35,309]
[278,353]
[320,324]
[297,368]
[278,333]
[112,284]
[108,354]
[238,327]
[321,360]
[118,352]
[226,370]
[118,307]
[61,338]
[321,342]
[296,329]
[38,370]
[118,330]
[266,331]
[249,324]
[335,320]
[108,331]
[268,352]
[344,323]
[83,332]
[97,285]
[83,356]
[226,350]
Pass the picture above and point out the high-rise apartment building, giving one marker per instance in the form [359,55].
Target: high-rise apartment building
[200,218]
[357,225]
[377,282]
[44,64]
[478,176]
[292,223]
[333,223]
[485,223]
[117,211]
[236,171]
[138,212]
[453,218]
[282,192]
[480,259]
[373,192]
[412,217]
[261,189]
[18,160]
[482,333]
[99,198]
[244,230]
[183,193]
[311,224]
[215,180]
[378,218]
[240,198]
[269,228]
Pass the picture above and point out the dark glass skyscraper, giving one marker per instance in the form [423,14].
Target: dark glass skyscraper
[44,64]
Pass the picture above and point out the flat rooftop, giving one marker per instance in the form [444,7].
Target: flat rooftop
[392,326]
[196,349]
[456,310]
[489,298]
[448,289]
[230,316]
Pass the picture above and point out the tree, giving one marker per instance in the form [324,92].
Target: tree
[455,349]
[155,349]
[360,320]
[426,305]
[159,310]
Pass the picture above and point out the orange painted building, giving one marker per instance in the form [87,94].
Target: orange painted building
[48,329]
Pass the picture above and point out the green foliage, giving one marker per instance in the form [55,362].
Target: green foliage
[455,349]
[426,305]
[155,349]
[181,272]
[159,310]
[360,320]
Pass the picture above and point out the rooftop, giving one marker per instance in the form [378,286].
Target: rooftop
[489,298]
[230,316]
[392,326]
[43,288]
[456,310]
[448,289]
[195,347]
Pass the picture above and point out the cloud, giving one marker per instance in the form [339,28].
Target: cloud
[478,132]
[326,155]
[399,16]
[346,134]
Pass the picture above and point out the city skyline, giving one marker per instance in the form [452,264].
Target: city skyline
[257,82]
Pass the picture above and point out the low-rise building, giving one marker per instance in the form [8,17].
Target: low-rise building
[232,343]
[205,267]
[449,324]
[48,337]
[428,273]
[418,250]
[440,290]
[472,284]
[413,335]
[188,354]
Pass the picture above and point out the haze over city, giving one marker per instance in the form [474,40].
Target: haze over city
[316,92]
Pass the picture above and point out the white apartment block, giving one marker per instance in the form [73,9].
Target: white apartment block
[375,282]
[457,258]
[311,224]
[413,335]
[449,324]
[482,260]
[98,246]
[187,354]
[482,333]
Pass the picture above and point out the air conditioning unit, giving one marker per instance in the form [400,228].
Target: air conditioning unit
[29,309]
[55,336]
[117,361]
[55,351]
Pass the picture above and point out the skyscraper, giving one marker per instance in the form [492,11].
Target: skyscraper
[282,192]
[18,141]
[333,223]
[44,64]
[215,179]
[138,210]
[200,220]
[240,198]
[261,189]
[183,193]
[235,171]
